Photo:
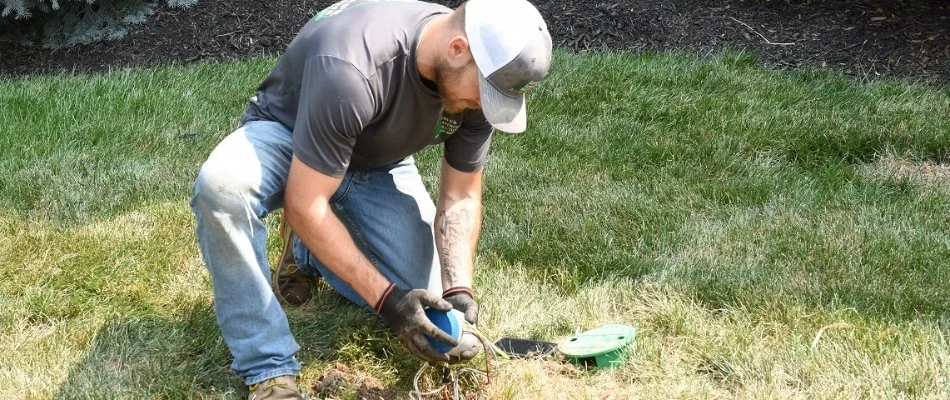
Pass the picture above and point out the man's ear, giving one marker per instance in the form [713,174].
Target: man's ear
[459,52]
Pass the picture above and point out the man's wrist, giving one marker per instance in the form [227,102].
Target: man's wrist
[458,289]
[382,298]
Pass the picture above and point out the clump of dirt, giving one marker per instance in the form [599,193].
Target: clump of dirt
[341,379]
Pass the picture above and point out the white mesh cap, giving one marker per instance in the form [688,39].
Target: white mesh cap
[512,49]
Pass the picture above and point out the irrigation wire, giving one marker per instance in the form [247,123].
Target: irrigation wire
[451,382]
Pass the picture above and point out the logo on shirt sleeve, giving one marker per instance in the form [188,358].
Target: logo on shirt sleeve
[448,124]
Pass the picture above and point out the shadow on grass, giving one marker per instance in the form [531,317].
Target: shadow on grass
[155,357]
[346,351]
[184,356]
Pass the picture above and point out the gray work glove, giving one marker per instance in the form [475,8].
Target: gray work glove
[463,300]
[404,312]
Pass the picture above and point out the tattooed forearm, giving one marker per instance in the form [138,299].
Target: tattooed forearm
[455,242]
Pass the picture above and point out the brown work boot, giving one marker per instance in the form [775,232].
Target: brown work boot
[292,286]
[279,388]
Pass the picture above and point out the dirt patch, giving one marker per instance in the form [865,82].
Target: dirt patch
[863,38]
[529,379]
[340,380]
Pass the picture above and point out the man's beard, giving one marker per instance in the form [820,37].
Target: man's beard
[443,75]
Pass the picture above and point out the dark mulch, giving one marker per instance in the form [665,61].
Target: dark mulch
[863,38]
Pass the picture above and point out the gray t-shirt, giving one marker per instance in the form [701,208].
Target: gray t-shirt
[349,88]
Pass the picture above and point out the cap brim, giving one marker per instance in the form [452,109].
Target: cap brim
[503,112]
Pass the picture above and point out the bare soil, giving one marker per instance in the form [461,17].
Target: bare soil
[340,379]
[908,40]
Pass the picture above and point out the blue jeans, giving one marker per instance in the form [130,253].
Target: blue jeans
[387,210]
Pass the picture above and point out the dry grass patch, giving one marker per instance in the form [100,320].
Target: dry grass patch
[925,173]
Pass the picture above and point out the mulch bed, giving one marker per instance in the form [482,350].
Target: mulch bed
[866,39]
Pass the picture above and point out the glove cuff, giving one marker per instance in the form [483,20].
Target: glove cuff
[382,299]
[458,289]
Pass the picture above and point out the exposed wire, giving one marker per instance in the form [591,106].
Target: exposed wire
[452,380]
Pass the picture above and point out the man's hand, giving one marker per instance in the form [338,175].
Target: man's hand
[462,299]
[404,312]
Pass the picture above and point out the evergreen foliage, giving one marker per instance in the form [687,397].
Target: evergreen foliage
[64,23]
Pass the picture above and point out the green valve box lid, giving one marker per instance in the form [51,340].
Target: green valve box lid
[605,346]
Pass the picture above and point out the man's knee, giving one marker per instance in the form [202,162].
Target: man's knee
[221,186]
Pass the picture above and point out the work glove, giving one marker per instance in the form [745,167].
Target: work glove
[404,312]
[462,299]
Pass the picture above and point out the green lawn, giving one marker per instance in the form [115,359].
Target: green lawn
[770,234]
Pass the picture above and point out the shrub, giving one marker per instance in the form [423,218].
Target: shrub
[63,23]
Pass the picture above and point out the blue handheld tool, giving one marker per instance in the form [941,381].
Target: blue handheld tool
[448,321]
